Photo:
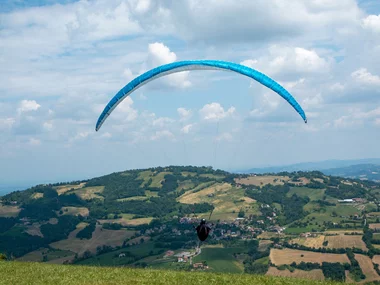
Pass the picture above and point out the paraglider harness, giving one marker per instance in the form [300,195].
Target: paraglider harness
[203,230]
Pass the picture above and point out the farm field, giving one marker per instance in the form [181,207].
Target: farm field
[263,180]
[344,241]
[126,220]
[374,226]
[287,256]
[75,211]
[367,267]
[51,255]
[313,194]
[112,258]
[221,259]
[99,237]
[227,200]
[315,274]
[89,193]
[376,259]
[310,241]
[9,211]
[65,188]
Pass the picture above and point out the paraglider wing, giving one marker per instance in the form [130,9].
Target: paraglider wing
[196,65]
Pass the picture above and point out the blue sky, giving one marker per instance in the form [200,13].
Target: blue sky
[62,61]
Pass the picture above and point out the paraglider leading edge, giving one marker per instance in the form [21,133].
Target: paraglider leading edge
[197,65]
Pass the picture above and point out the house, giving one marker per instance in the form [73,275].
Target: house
[169,253]
[346,201]
[121,255]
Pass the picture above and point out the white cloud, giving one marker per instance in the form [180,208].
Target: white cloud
[34,142]
[48,126]
[159,54]
[377,122]
[6,123]
[184,113]
[337,87]
[186,129]
[372,22]
[313,102]
[296,60]
[28,105]
[162,122]
[249,62]
[162,134]
[362,75]
[125,111]
[215,111]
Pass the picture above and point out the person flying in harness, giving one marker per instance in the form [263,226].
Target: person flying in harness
[203,230]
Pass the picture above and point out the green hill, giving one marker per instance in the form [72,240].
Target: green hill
[37,273]
[289,224]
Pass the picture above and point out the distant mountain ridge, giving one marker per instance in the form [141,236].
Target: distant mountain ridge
[326,165]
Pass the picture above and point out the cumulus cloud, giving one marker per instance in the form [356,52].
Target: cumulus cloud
[215,112]
[6,123]
[28,105]
[164,134]
[362,75]
[372,22]
[184,113]
[186,129]
[159,54]
[125,111]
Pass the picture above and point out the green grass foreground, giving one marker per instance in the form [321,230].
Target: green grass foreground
[40,273]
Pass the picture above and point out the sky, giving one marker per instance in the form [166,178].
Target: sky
[62,61]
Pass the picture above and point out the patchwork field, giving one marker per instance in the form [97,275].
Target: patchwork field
[37,195]
[65,188]
[313,194]
[75,211]
[221,259]
[375,226]
[157,179]
[127,220]
[316,274]
[310,241]
[89,193]
[344,241]
[99,237]
[263,180]
[287,256]
[367,267]
[34,230]
[376,259]
[9,211]
[228,200]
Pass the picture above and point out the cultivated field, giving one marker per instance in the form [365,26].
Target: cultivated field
[89,193]
[227,200]
[9,211]
[158,178]
[34,230]
[374,226]
[316,274]
[126,220]
[344,241]
[37,195]
[263,180]
[52,256]
[376,259]
[65,188]
[75,211]
[287,256]
[310,241]
[367,267]
[99,237]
